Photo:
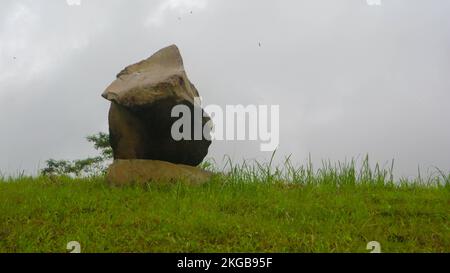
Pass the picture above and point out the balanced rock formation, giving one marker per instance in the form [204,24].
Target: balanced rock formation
[138,172]
[142,98]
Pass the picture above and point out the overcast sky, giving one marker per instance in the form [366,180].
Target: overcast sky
[350,78]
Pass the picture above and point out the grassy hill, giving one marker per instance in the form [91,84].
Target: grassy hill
[334,209]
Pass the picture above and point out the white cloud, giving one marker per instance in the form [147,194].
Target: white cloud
[178,7]
[19,25]
[35,43]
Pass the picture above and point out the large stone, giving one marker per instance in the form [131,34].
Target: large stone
[142,98]
[139,172]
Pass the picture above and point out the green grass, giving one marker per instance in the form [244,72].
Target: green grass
[252,209]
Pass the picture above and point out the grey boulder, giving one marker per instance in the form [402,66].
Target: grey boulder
[142,98]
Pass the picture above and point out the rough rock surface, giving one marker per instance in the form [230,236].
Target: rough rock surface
[142,98]
[139,172]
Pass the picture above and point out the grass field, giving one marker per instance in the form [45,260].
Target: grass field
[252,209]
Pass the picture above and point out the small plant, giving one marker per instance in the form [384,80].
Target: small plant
[101,143]
[90,166]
